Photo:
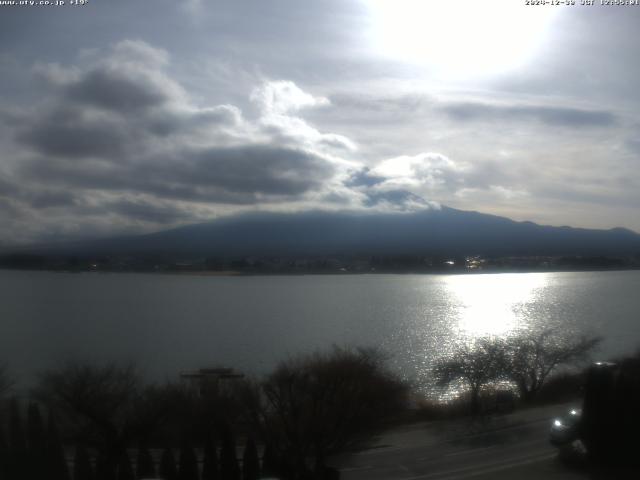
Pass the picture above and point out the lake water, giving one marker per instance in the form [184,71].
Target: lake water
[167,323]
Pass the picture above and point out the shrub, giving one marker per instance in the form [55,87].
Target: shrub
[324,403]
[210,468]
[82,469]
[145,467]
[168,469]
[250,462]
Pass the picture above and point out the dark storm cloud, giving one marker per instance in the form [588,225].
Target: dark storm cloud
[103,129]
[261,168]
[9,207]
[98,115]
[110,89]
[51,198]
[70,132]
[88,174]
[112,108]
[230,175]
[8,187]
[144,210]
[556,116]
[42,197]
[116,139]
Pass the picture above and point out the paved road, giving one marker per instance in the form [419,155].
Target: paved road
[508,446]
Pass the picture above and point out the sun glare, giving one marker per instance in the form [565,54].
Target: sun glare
[488,304]
[463,37]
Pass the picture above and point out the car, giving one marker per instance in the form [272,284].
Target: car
[566,429]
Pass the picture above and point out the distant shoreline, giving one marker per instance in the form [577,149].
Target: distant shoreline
[240,273]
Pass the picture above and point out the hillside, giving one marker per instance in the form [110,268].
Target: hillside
[433,232]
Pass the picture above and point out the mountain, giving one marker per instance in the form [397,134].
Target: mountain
[431,232]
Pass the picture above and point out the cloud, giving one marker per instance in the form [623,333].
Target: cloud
[137,122]
[551,115]
[118,141]
[278,101]
[117,90]
[161,213]
[432,170]
[76,133]
[259,169]
[388,104]
[233,175]
[364,178]
[494,191]
[402,200]
[118,125]
[408,183]
[280,97]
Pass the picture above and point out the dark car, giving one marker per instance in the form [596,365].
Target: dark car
[566,429]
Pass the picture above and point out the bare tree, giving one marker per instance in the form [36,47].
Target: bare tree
[108,404]
[94,399]
[531,357]
[526,359]
[320,404]
[476,365]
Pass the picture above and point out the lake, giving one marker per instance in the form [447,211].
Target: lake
[167,323]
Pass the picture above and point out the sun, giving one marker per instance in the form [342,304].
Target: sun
[460,37]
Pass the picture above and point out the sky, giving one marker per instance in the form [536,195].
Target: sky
[121,117]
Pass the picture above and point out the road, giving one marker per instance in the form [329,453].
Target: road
[506,446]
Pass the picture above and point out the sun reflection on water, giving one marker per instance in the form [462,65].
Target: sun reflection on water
[455,310]
[490,305]
[466,308]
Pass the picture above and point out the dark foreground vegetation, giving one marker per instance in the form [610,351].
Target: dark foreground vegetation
[285,425]
[524,361]
[611,420]
[102,422]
